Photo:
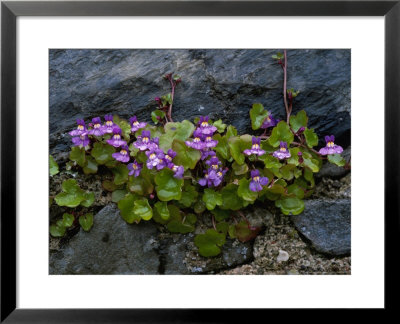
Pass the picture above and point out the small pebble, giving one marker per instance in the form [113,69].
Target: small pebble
[283,256]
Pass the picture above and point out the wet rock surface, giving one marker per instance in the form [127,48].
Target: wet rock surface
[220,83]
[327,224]
[330,170]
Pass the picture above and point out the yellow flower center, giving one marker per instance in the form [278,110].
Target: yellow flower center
[204,124]
[219,174]
[117,136]
[80,127]
[152,156]
[283,149]
[256,146]
[96,126]
[136,123]
[145,139]
[215,166]
[109,123]
[330,144]
[206,176]
[168,157]
[197,139]
[256,179]
[134,166]
[208,138]
[174,168]
[123,152]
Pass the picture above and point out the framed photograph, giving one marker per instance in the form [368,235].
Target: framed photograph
[165,155]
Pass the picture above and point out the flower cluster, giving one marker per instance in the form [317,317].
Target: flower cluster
[155,156]
[331,147]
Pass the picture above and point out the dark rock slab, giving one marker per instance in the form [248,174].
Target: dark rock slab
[85,83]
[111,247]
[327,225]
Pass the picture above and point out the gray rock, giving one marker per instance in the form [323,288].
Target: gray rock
[220,83]
[333,171]
[283,256]
[111,247]
[327,225]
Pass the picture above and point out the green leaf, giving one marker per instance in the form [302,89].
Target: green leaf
[311,137]
[294,158]
[295,190]
[189,195]
[220,126]
[142,209]
[88,199]
[291,205]
[278,56]
[257,115]
[141,184]
[287,171]
[86,221]
[222,147]
[199,207]
[244,232]
[220,214]
[168,187]
[237,145]
[162,209]
[57,231]
[71,196]
[124,125]
[298,121]
[311,162]
[244,191]
[157,113]
[121,174]
[117,195]
[126,207]
[102,152]
[91,166]
[270,161]
[68,220]
[53,166]
[212,198]
[78,155]
[181,131]
[109,185]
[222,227]
[231,131]
[209,243]
[281,133]
[239,169]
[176,226]
[230,198]
[337,159]
[185,156]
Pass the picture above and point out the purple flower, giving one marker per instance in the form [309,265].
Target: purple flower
[269,121]
[122,155]
[80,130]
[169,156]
[135,124]
[209,142]
[109,124]
[257,182]
[144,143]
[219,176]
[197,143]
[331,147]
[178,170]
[81,141]
[116,140]
[214,163]
[155,159]
[205,127]
[255,148]
[209,176]
[283,152]
[135,168]
[97,129]
[206,154]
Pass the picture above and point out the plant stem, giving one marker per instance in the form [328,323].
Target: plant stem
[173,84]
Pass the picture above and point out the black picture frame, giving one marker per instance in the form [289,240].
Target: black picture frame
[11,10]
